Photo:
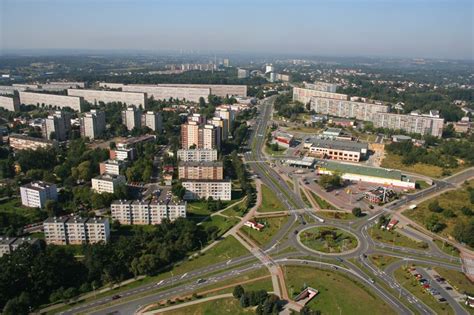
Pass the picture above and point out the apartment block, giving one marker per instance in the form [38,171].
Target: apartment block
[59,101]
[348,108]
[111,167]
[93,124]
[20,142]
[340,150]
[167,92]
[197,155]
[217,189]
[132,117]
[153,120]
[57,126]
[36,193]
[221,90]
[242,73]
[413,123]
[147,212]
[190,135]
[321,86]
[95,96]
[10,89]
[10,244]
[200,170]
[123,154]
[107,183]
[76,230]
[304,95]
[10,103]
[222,125]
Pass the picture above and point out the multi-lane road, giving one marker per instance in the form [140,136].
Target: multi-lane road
[378,281]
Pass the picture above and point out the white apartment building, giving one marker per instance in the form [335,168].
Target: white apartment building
[9,244]
[413,123]
[153,120]
[132,117]
[76,230]
[321,86]
[59,101]
[93,124]
[211,137]
[197,155]
[96,96]
[217,189]
[107,183]
[57,126]
[222,124]
[36,193]
[111,167]
[20,142]
[147,212]
[10,103]
[304,95]
[166,92]
[226,114]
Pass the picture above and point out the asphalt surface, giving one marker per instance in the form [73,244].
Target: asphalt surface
[131,300]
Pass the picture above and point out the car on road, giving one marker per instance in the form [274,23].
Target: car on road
[116,297]
[199,281]
[371,280]
[339,259]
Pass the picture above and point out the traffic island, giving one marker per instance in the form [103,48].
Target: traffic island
[328,240]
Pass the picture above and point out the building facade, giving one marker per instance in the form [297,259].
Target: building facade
[111,167]
[216,189]
[107,183]
[146,212]
[348,109]
[200,170]
[153,120]
[93,124]
[132,118]
[20,142]
[57,126]
[197,155]
[95,96]
[10,103]
[76,230]
[304,95]
[340,150]
[10,244]
[36,193]
[59,101]
[421,124]
[321,86]
[167,92]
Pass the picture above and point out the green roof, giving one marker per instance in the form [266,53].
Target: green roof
[360,170]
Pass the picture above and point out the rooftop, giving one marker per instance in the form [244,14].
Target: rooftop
[201,163]
[340,145]
[361,170]
[38,185]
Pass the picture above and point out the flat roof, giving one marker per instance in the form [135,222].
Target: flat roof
[361,170]
[201,163]
[38,185]
[340,145]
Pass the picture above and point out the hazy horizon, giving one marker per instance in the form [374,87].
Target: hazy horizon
[440,29]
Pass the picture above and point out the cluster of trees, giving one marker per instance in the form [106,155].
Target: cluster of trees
[288,108]
[142,168]
[330,181]
[266,303]
[235,169]
[33,275]
[445,154]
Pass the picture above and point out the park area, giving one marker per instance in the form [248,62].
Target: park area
[338,294]
[328,240]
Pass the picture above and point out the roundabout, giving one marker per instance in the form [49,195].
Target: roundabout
[328,240]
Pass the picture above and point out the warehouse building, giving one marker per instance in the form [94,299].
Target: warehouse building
[341,150]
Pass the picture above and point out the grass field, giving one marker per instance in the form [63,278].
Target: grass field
[395,238]
[340,215]
[223,223]
[421,184]
[410,283]
[447,248]
[25,215]
[382,261]
[236,210]
[215,307]
[337,293]
[395,162]
[270,151]
[270,201]
[272,225]
[323,204]
[456,279]
[304,198]
[452,200]
[328,239]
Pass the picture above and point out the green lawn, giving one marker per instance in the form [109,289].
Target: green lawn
[215,307]
[382,261]
[456,279]
[453,201]
[305,199]
[268,150]
[20,215]
[270,201]
[323,204]
[447,248]
[272,225]
[337,293]
[236,210]
[223,223]
[421,184]
[340,215]
[395,162]
[395,238]
[410,283]
[328,239]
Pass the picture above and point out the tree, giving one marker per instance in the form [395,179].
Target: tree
[18,305]
[357,212]
[435,207]
[330,181]
[52,208]
[464,232]
[238,291]
[178,190]
[433,224]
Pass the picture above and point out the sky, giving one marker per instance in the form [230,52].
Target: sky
[391,28]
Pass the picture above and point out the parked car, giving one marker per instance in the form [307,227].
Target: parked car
[116,297]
